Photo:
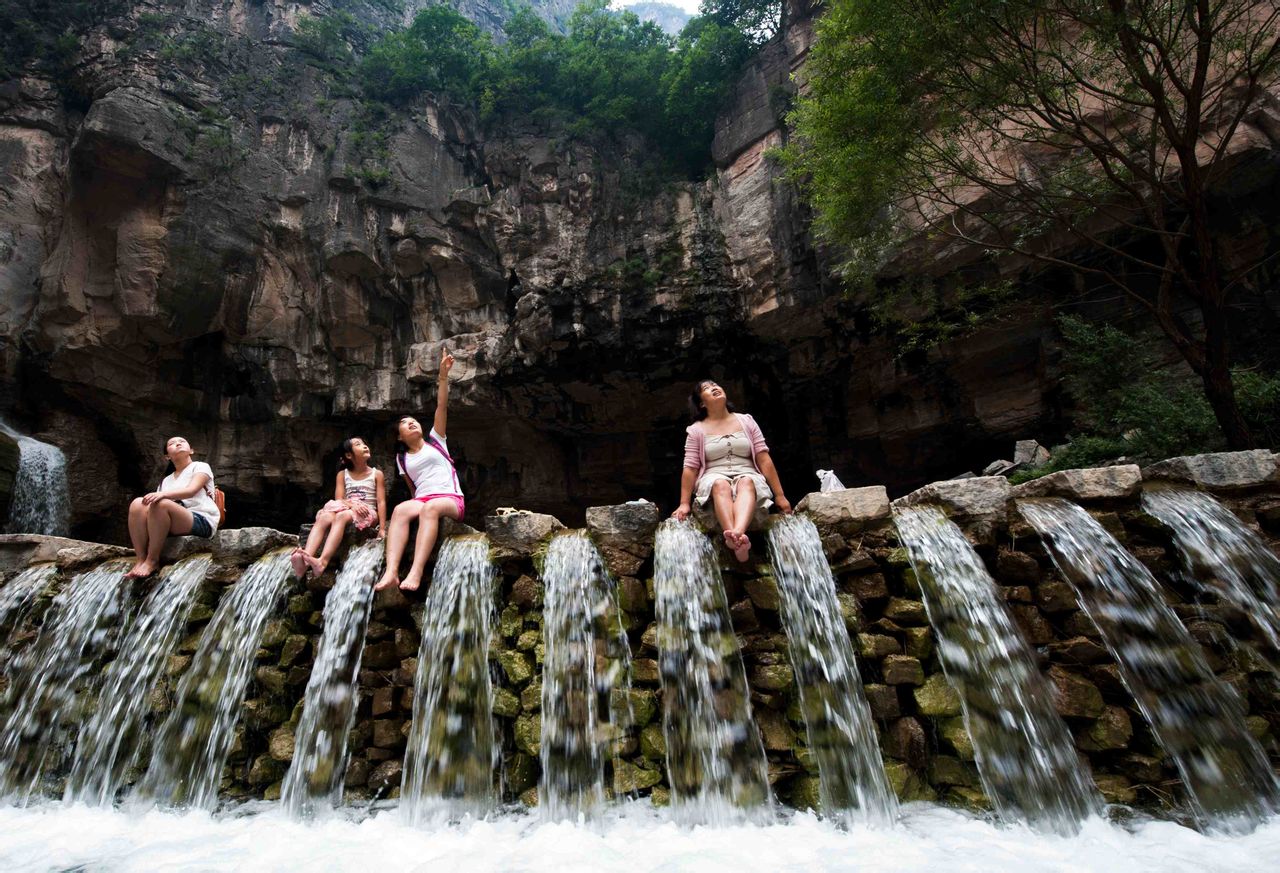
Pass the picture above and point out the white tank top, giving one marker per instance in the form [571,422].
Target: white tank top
[364,490]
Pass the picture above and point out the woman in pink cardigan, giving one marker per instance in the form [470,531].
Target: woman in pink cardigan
[726,462]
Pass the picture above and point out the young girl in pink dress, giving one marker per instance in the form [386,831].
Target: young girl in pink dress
[727,466]
[359,498]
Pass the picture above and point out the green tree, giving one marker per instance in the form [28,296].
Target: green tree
[709,56]
[758,20]
[1037,127]
[441,51]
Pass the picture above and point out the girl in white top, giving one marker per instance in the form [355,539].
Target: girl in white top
[424,464]
[359,498]
[183,504]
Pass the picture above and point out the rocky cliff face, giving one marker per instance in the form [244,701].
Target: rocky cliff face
[208,238]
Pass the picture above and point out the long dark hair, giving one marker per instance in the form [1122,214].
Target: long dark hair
[697,411]
[348,449]
[169,469]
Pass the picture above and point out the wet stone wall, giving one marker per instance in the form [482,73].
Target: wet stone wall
[927,752]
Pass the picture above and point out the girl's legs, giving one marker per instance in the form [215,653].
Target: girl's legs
[163,518]
[397,537]
[138,531]
[331,543]
[428,527]
[722,502]
[744,507]
[318,530]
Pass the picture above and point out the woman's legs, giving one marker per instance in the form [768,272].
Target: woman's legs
[428,527]
[744,507]
[164,517]
[138,531]
[318,530]
[722,502]
[397,537]
[336,529]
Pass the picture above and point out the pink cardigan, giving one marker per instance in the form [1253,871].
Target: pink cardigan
[695,444]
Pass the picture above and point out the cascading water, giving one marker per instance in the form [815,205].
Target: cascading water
[313,784]
[715,757]
[586,668]
[1024,752]
[1197,719]
[81,625]
[452,753]
[192,746]
[40,503]
[1222,555]
[110,739]
[18,593]
[842,735]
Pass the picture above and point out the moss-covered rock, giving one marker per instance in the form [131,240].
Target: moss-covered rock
[1115,789]
[653,743]
[902,670]
[293,649]
[953,731]
[522,772]
[528,734]
[280,744]
[936,698]
[1074,696]
[876,646]
[628,777]
[905,611]
[516,666]
[772,677]
[1112,730]
[763,591]
[505,703]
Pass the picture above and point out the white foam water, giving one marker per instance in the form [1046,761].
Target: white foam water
[632,837]
[40,503]
[21,590]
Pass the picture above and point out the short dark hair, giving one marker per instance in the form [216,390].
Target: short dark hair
[697,411]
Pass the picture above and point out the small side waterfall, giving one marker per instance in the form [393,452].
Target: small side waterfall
[111,738]
[1197,719]
[715,757]
[314,781]
[1222,555]
[82,624]
[18,593]
[586,667]
[453,752]
[842,735]
[192,746]
[40,503]
[1024,752]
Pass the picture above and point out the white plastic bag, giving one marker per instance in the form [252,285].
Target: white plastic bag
[829,480]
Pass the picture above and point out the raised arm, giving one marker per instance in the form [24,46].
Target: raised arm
[442,392]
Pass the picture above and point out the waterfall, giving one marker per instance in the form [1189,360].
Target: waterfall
[192,746]
[110,739]
[81,625]
[18,593]
[1024,752]
[39,503]
[314,781]
[452,753]
[1222,555]
[586,668]
[715,757]
[1197,719]
[842,736]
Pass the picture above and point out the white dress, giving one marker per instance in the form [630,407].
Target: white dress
[729,459]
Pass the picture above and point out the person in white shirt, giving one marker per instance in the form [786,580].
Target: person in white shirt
[183,504]
[426,467]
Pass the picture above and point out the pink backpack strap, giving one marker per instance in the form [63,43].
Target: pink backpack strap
[452,468]
[402,461]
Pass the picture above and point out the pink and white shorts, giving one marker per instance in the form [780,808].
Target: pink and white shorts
[456,498]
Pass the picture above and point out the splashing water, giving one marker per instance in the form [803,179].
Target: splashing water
[313,784]
[192,746]
[1222,555]
[19,592]
[40,503]
[452,754]
[1024,752]
[715,757]
[111,738]
[585,672]
[1198,720]
[842,735]
[82,624]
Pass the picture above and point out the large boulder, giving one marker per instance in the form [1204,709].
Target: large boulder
[1220,471]
[1095,483]
[980,504]
[624,534]
[519,533]
[238,546]
[849,509]
[18,551]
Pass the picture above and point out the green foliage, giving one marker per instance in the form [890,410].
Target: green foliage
[45,34]
[758,20]
[1129,403]
[441,51]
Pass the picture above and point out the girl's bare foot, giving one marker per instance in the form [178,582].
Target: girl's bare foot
[141,571]
[388,579]
[743,549]
[317,566]
[133,571]
[411,582]
[298,563]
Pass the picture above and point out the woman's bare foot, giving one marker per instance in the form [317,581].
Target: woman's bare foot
[731,539]
[388,579]
[317,566]
[411,582]
[141,570]
[742,550]
[298,563]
